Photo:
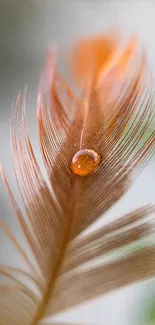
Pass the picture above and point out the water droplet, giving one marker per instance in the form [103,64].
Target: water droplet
[85,162]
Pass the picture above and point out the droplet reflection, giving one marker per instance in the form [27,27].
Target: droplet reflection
[85,162]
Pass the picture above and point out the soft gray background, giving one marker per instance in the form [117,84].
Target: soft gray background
[27,29]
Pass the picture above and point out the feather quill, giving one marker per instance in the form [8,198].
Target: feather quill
[63,271]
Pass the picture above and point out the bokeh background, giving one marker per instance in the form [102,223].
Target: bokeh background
[27,29]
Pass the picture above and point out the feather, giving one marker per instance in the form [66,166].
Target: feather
[63,269]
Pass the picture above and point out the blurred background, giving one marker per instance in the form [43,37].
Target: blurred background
[27,29]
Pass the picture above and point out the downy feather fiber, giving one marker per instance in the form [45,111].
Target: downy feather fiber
[109,118]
